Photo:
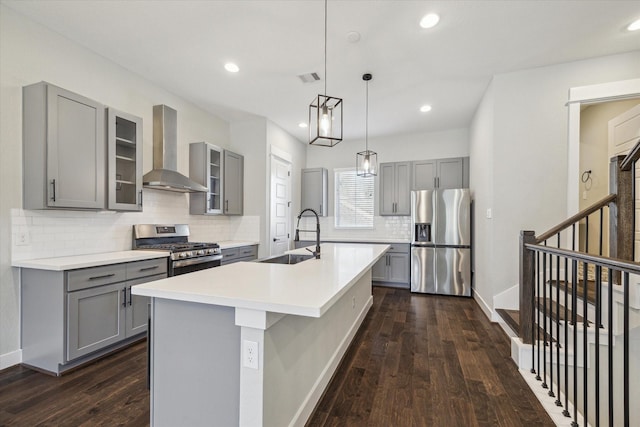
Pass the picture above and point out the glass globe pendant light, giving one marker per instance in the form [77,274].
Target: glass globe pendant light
[367,160]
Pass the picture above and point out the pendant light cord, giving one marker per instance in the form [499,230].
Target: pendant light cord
[366,122]
[325,49]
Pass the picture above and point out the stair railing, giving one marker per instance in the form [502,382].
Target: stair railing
[562,325]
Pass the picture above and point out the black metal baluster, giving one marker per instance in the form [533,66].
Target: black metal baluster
[558,402]
[585,349]
[586,234]
[597,329]
[550,333]
[544,319]
[574,321]
[610,345]
[600,240]
[566,412]
[538,313]
[625,350]
[533,319]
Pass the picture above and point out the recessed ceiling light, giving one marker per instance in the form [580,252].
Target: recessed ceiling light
[429,20]
[231,67]
[425,108]
[634,26]
[302,125]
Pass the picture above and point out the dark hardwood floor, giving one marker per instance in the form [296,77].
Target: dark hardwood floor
[417,361]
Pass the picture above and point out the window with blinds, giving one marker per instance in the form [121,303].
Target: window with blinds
[353,199]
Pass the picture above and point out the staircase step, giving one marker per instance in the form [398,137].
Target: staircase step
[512,319]
[551,305]
[591,288]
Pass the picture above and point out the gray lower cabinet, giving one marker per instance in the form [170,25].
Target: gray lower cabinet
[393,268]
[70,317]
[63,149]
[240,253]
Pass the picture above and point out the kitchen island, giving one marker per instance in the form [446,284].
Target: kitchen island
[254,344]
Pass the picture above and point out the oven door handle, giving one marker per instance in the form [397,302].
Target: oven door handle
[199,260]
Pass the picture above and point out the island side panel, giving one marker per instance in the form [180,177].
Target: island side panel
[195,364]
[302,353]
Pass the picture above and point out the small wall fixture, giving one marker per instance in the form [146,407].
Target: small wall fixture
[367,160]
[325,112]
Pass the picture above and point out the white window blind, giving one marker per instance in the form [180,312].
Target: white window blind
[353,199]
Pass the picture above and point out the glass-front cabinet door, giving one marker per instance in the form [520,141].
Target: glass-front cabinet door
[125,161]
[205,168]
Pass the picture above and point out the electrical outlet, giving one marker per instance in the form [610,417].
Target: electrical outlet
[489,213]
[250,354]
[22,238]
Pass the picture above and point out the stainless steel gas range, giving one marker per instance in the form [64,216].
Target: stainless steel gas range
[185,257]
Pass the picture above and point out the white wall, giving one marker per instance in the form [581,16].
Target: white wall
[529,156]
[481,175]
[30,53]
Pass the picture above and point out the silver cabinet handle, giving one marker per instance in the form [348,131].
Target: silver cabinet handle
[435,182]
[226,205]
[149,268]
[53,183]
[124,296]
[320,211]
[102,277]
[140,198]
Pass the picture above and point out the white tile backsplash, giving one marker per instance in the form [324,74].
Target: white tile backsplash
[384,227]
[54,233]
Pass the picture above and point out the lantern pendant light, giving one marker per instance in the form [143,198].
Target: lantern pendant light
[325,112]
[367,160]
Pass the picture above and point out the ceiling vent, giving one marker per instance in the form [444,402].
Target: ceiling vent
[309,77]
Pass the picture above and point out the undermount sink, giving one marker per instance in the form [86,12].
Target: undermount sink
[286,259]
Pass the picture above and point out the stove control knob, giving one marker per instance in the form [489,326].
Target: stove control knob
[182,254]
[201,252]
[210,251]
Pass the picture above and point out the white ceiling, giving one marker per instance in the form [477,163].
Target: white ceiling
[183,45]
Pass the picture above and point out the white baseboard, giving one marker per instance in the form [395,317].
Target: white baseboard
[9,359]
[307,407]
[485,307]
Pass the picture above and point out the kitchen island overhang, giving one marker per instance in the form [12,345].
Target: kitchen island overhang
[301,317]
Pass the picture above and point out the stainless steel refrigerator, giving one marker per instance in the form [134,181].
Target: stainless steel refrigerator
[441,242]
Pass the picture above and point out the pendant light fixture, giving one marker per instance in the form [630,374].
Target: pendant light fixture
[325,112]
[367,160]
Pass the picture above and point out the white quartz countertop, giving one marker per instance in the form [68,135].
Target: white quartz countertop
[90,260]
[228,244]
[361,240]
[308,288]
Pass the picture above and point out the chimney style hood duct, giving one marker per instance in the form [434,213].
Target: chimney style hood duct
[164,175]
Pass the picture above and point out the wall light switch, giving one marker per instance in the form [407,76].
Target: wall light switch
[489,214]
[23,238]
[584,195]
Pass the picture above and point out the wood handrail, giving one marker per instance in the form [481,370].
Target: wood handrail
[577,217]
[631,158]
[605,262]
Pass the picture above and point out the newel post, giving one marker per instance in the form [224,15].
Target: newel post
[527,266]
[621,219]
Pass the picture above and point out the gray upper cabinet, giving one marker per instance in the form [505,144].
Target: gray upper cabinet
[205,168]
[315,190]
[63,149]
[424,175]
[124,179]
[394,188]
[233,182]
[440,173]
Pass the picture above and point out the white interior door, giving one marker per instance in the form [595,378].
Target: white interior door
[280,202]
[624,133]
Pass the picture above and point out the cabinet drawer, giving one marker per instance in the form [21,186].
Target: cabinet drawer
[230,254]
[401,248]
[146,268]
[248,251]
[95,276]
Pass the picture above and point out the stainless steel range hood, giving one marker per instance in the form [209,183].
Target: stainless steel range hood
[164,175]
